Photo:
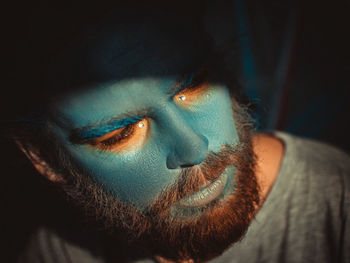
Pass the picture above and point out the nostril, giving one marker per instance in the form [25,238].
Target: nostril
[190,150]
[186,165]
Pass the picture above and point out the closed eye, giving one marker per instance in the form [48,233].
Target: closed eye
[191,95]
[127,138]
[194,90]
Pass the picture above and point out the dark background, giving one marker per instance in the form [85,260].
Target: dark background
[293,66]
[294,61]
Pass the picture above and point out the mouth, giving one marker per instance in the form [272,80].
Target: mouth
[208,193]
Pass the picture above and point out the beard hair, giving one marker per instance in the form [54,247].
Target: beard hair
[199,236]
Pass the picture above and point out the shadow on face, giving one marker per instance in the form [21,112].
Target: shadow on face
[139,106]
[130,44]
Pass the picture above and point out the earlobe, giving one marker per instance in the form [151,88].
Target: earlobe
[39,163]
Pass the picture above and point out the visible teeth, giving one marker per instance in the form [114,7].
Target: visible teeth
[207,194]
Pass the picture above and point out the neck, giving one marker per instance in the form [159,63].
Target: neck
[269,151]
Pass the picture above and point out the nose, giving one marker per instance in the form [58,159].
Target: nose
[188,147]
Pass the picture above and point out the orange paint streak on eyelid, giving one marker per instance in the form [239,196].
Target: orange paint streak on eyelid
[192,94]
[196,91]
[109,135]
[134,140]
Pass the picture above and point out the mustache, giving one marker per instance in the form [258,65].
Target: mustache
[193,179]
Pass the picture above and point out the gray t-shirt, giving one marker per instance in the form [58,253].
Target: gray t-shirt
[305,217]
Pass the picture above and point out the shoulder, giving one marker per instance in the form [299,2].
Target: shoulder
[305,163]
[312,155]
[322,173]
[322,170]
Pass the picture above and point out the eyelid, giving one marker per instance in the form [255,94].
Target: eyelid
[180,85]
[190,97]
[194,89]
[110,135]
[88,135]
[135,137]
[189,87]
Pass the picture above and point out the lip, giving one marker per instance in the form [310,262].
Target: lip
[206,194]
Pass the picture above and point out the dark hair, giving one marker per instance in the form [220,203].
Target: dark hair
[44,29]
[48,36]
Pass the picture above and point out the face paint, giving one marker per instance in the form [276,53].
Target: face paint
[102,129]
[134,135]
[178,134]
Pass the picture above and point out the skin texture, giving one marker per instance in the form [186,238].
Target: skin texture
[176,132]
[269,151]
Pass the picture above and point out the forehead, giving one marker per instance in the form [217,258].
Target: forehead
[124,64]
[113,100]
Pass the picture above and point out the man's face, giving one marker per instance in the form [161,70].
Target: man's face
[139,135]
[135,135]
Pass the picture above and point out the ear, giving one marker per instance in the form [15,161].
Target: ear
[33,154]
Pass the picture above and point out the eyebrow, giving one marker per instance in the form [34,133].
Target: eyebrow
[190,80]
[184,81]
[89,132]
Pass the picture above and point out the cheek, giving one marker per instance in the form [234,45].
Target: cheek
[214,118]
[136,177]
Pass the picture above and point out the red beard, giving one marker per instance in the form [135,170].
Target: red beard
[204,232]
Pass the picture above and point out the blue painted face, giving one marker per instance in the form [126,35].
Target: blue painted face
[135,134]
